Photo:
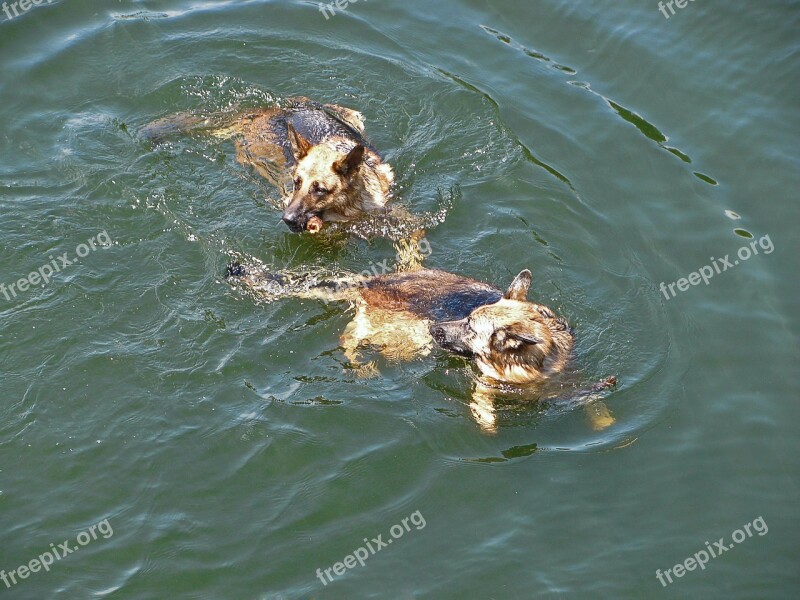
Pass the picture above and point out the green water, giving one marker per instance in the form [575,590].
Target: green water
[603,146]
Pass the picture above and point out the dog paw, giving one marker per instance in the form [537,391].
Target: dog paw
[235,269]
[605,384]
[599,416]
[366,371]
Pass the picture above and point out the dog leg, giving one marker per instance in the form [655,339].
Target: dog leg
[597,412]
[410,255]
[482,408]
[352,341]
[599,415]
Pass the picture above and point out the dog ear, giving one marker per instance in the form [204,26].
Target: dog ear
[348,164]
[518,290]
[300,145]
[526,338]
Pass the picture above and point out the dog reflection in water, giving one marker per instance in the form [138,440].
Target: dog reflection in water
[518,346]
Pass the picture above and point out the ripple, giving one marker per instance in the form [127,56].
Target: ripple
[645,127]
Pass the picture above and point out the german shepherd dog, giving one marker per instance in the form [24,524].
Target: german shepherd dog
[512,341]
[336,174]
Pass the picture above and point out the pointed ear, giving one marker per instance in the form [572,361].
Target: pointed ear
[300,145]
[518,290]
[348,164]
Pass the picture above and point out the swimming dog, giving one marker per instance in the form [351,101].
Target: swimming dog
[512,341]
[336,174]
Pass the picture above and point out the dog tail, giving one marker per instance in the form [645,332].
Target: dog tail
[184,123]
[272,285]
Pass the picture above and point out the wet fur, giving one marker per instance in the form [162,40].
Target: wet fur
[339,179]
[323,146]
[516,344]
[403,314]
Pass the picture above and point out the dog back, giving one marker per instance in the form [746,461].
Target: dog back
[429,294]
[316,124]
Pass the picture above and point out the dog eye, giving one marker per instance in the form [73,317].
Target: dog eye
[316,188]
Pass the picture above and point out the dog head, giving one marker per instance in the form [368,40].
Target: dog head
[323,178]
[512,340]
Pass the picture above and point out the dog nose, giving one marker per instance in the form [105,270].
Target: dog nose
[437,332]
[294,221]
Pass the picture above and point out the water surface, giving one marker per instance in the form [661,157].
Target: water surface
[599,144]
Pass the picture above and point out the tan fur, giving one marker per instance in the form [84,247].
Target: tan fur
[397,335]
[409,252]
[340,179]
[324,186]
[383,320]
[503,358]
[512,341]
[492,333]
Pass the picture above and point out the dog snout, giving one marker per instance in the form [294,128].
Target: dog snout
[296,221]
[450,336]
[438,333]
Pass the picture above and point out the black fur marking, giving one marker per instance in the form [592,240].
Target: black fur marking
[435,295]
[316,125]
[454,306]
